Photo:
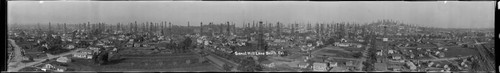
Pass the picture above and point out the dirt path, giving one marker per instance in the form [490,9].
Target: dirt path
[18,58]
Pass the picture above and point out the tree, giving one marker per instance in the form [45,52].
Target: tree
[330,41]
[226,67]
[285,53]
[357,55]
[249,65]
[186,43]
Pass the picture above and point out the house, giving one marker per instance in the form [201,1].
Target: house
[349,63]
[268,64]
[94,48]
[391,51]
[63,59]
[86,51]
[303,65]
[47,67]
[411,65]
[396,56]
[430,64]
[333,64]
[336,69]
[322,67]
[441,55]
[341,44]
[70,46]
[380,67]
[54,67]
[137,45]
[82,55]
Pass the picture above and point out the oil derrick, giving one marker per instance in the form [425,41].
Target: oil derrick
[234,27]
[84,26]
[261,42]
[308,26]
[143,27]
[210,26]
[135,26]
[131,27]
[253,25]
[151,29]
[244,25]
[87,27]
[96,27]
[228,28]
[278,28]
[162,25]
[201,27]
[330,28]
[317,28]
[220,28]
[296,27]
[323,30]
[58,27]
[118,27]
[270,29]
[50,28]
[65,28]
[170,28]
[344,30]
[39,29]
[102,27]
[293,29]
[155,28]
[248,25]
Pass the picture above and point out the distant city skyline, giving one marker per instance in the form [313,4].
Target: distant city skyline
[435,14]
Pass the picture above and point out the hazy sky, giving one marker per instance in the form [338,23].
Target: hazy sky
[439,14]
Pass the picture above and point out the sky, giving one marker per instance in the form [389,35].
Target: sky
[445,14]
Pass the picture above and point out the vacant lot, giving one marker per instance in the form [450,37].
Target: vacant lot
[335,52]
[456,51]
[178,62]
